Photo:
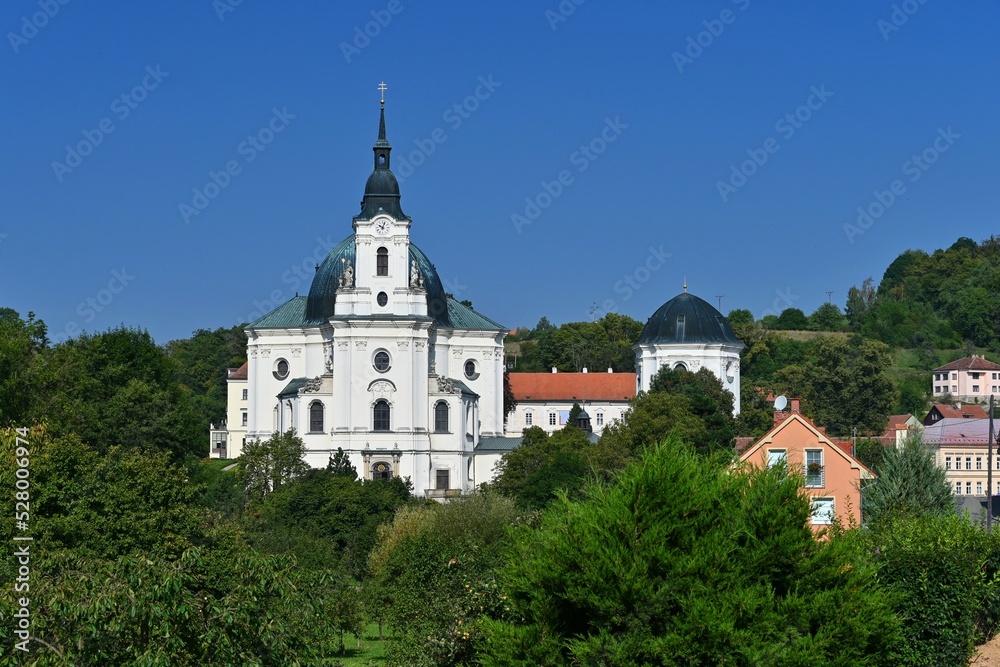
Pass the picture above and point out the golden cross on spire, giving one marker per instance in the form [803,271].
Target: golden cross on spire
[382,88]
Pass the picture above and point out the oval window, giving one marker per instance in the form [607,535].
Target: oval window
[382,299]
[281,369]
[381,361]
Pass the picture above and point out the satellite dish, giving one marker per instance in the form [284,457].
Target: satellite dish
[780,403]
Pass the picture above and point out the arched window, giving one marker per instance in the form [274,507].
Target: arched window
[382,262]
[316,417]
[380,415]
[441,417]
[381,470]
[680,366]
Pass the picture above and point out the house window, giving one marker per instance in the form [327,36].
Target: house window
[979,463]
[316,417]
[979,488]
[994,376]
[441,479]
[954,388]
[776,457]
[815,477]
[958,488]
[947,463]
[380,415]
[822,511]
[600,418]
[968,488]
[382,262]
[552,419]
[381,470]
[528,418]
[975,376]
[954,376]
[994,389]
[245,394]
[975,388]
[968,463]
[441,417]
[244,416]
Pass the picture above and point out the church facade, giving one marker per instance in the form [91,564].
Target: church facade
[378,360]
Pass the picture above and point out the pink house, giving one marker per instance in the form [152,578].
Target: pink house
[832,477]
[968,379]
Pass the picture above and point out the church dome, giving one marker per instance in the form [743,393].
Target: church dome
[687,319]
[323,291]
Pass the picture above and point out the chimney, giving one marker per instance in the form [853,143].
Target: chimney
[609,370]
[584,369]
[795,404]
[555,370]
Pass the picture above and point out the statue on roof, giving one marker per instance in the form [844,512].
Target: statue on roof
[416,280]
[347,276]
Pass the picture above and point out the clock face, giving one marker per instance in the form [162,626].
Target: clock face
[382,227]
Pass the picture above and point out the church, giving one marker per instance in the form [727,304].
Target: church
[378,360]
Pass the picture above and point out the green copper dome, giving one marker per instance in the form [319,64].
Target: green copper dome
[688,319]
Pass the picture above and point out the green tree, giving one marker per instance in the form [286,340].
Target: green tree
[859,302]
[265,466]
[631,575]
[340,465]
[792,318]
[200,366]
[909,484]
[20,342]
[827,318]
[542,466]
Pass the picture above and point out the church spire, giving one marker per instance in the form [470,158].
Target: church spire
[382,189]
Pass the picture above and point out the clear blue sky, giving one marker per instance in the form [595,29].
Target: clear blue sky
[197,85]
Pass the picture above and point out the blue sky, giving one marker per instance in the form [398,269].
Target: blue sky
[554,156]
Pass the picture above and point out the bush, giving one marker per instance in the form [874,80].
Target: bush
[942,572]
[684,562]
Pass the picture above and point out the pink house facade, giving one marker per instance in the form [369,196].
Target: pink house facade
[968,379]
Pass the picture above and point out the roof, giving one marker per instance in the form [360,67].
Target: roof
[464,388]
[572,386]
[973,363]
[239,373]
[292,388]
[948,411]
[957,432]
[288,315]
[461,316]
[497,445]
[687,319]
[898,422]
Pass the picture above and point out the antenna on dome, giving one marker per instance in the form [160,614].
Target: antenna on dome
[780,403]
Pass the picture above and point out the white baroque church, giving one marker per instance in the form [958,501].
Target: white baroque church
[379,361]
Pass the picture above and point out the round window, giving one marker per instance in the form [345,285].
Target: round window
[382,299]
[281,369]
[470,369]
[381,361]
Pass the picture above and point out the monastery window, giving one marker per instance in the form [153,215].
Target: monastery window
[529,419]
[382,262]
[381,361]
[380,415]
[245,394]
[968,463]
[968,488]
[822,511]
[382,299]
[947,463]
[244,416]
[381,470]
[316,417]
[680,327]
[441,479]
[552,419]
[470,370]
[979,488]
[281,369]
[979,463]
[958,488]
[441,417]
[600,418]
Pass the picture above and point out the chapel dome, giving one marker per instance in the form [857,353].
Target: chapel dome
[323,291]
[687,319]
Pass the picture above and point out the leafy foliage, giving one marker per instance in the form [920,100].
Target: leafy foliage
[266,466]
[909,484]
[678,564]
[542,466]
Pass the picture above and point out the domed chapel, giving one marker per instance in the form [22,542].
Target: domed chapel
[379,361]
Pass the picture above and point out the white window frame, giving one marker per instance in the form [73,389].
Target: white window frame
[776,456]
[819,517]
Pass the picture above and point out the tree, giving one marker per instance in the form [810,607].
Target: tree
[200,366]
[543,466]
[340,465]
[265,466]
[827,318]
[509,401]
[859,301]
[631,575]
[20,342]
[909,484]
[792,319]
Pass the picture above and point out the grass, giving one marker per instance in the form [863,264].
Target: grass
[372,651]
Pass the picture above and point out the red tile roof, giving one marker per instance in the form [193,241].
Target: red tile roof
[973,363]
[573,386]
[970,411]
[239,373]
[897,423]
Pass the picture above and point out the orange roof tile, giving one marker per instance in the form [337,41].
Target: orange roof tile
[239,373]
[973,363]
[970,411]
[573,386]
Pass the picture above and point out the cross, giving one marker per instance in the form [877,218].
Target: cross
[382,87]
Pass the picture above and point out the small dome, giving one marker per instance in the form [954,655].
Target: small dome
[688,319]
